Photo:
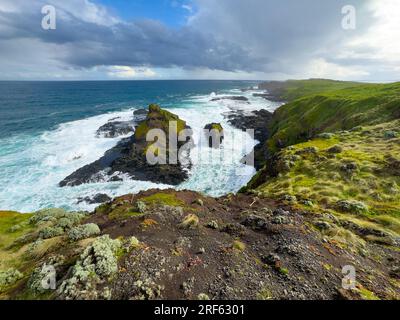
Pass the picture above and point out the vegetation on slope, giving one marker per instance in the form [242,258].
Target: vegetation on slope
[293,89]
[353,174]
[338,152]
[331,111]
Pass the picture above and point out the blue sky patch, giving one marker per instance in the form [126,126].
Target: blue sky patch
[170,12]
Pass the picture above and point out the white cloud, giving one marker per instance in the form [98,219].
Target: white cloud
[126,72]
[188,8]
[319,68]
[384,35]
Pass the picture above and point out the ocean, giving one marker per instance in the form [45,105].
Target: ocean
[48,130]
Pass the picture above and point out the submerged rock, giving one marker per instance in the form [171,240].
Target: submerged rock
[257,121]
[234,98]
[98,198]
[115,128]
[140,115]
[267,96]
[129,156]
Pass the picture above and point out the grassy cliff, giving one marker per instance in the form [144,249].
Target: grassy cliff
[293,89]
[337,151]
[333,110]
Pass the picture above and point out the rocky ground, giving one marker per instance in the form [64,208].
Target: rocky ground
[183,245]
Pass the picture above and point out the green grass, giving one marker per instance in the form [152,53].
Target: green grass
[320,177]
[9,219]
[294,89]
[332,110]
[163,199]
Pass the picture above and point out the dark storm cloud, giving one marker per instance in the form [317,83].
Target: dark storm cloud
[145,42]
[229,35]
[285,31]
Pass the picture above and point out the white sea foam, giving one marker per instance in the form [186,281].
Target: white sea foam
[31,170]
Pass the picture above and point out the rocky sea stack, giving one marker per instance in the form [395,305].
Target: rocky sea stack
[215,134]
[129,155]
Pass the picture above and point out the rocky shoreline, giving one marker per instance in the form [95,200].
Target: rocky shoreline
[259,121]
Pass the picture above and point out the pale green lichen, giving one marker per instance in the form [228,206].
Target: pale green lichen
[51,232]
[39,275]
[83,231]
[98,262]
[351,206]
[9,277]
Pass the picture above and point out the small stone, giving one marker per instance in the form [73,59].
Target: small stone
[255,222]
[325,135]
[203,296]
[280,220]
[272,260]
[335,149]
[199,202]
[390,134]
[322,225]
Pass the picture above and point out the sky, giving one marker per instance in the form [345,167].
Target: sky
[200,39]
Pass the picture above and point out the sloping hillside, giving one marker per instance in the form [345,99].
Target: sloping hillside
[331,111]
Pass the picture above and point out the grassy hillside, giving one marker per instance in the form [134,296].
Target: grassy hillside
[293,89]
[333,110]
[354,175]
[337,152]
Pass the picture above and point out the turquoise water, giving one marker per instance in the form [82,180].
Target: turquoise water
[47,131]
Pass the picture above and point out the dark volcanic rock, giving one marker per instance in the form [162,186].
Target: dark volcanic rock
[275,89]
[267,96]
[257,120]
[129,156]
[98,198]
[140,115]
[234,98]
[114,129]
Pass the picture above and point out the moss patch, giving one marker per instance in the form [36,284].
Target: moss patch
[163,199]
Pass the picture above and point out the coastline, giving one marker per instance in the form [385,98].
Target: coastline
[315,205]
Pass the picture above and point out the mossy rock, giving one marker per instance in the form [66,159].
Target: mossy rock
[214,126]
[161,198]
[158,118]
